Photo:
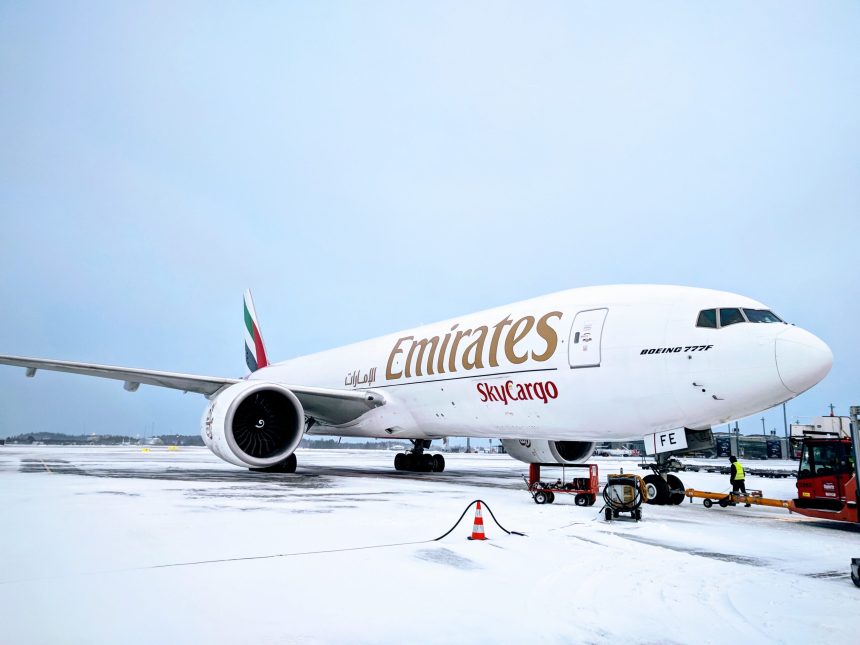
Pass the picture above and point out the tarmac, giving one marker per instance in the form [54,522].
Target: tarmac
[114,544]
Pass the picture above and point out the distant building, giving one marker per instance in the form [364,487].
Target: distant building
[750,446]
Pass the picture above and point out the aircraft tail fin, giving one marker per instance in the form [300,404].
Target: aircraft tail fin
[255,351]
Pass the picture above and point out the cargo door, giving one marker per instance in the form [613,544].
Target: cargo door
[583,349]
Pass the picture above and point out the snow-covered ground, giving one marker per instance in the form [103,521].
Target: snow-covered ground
[117,545]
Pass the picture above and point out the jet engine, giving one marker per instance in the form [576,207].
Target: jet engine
[253,424]
[542,451]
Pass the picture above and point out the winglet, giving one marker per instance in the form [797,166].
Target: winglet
[255,352]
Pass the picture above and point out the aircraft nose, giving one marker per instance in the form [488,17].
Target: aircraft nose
[802,359]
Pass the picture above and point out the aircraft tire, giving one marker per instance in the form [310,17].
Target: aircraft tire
[438,463]
[658,489]
[288,465]
[399,461]
[676,485]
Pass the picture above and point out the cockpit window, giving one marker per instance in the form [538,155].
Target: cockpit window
[761,316]
[730,317]
[707,318]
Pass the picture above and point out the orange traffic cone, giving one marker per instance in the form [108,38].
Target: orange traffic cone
[478,528]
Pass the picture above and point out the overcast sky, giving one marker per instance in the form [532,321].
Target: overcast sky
[367,166]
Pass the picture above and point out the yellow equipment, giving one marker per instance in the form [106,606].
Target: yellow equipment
[731,499]
[624,494]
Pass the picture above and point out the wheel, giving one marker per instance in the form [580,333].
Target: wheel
[399,461]
[581,499]
[438,463]
[550,497]
[724,503]
[540,497]
[637,514]
[288,465]
[592,499]
[707,503]
[615,513]
[658,489]
[607,515]
[676,496]
[427,463]
[855,579]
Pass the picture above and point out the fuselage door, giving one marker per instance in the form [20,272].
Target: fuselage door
[583,348]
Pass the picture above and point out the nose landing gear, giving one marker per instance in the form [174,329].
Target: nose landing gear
[416,461]
[664,487]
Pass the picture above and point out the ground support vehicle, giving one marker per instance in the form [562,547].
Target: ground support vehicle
[584,488]
[725,500]
[624,494]
[827,479]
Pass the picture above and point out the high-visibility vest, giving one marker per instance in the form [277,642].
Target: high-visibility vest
[739,472]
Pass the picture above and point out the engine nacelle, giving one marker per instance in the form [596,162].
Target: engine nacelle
[253,424]
[542,451]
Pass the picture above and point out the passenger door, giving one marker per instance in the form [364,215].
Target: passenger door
[586,333]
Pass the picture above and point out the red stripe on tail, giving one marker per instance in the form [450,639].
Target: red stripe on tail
[262,361]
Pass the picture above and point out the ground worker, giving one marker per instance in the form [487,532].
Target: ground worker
[737,477]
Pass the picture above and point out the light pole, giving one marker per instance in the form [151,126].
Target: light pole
[785,420]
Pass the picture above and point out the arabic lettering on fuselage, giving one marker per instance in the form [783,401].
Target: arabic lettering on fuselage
[442,354]
[356,378]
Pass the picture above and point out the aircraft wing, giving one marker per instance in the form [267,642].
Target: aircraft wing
[132,376]
[330,406]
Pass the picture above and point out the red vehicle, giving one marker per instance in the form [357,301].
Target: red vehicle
[584,489]
[827,480]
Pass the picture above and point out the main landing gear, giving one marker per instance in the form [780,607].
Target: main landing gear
[417,462]
[663,487]
[288,465]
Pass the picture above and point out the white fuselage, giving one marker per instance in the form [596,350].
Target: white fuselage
[590,364]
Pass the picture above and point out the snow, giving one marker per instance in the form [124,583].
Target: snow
[85,533]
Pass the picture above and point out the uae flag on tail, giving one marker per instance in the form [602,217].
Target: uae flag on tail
[255,353]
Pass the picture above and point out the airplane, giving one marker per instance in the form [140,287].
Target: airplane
[549,377]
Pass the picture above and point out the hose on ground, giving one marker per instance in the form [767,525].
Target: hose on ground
[466,510]
[335,550]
